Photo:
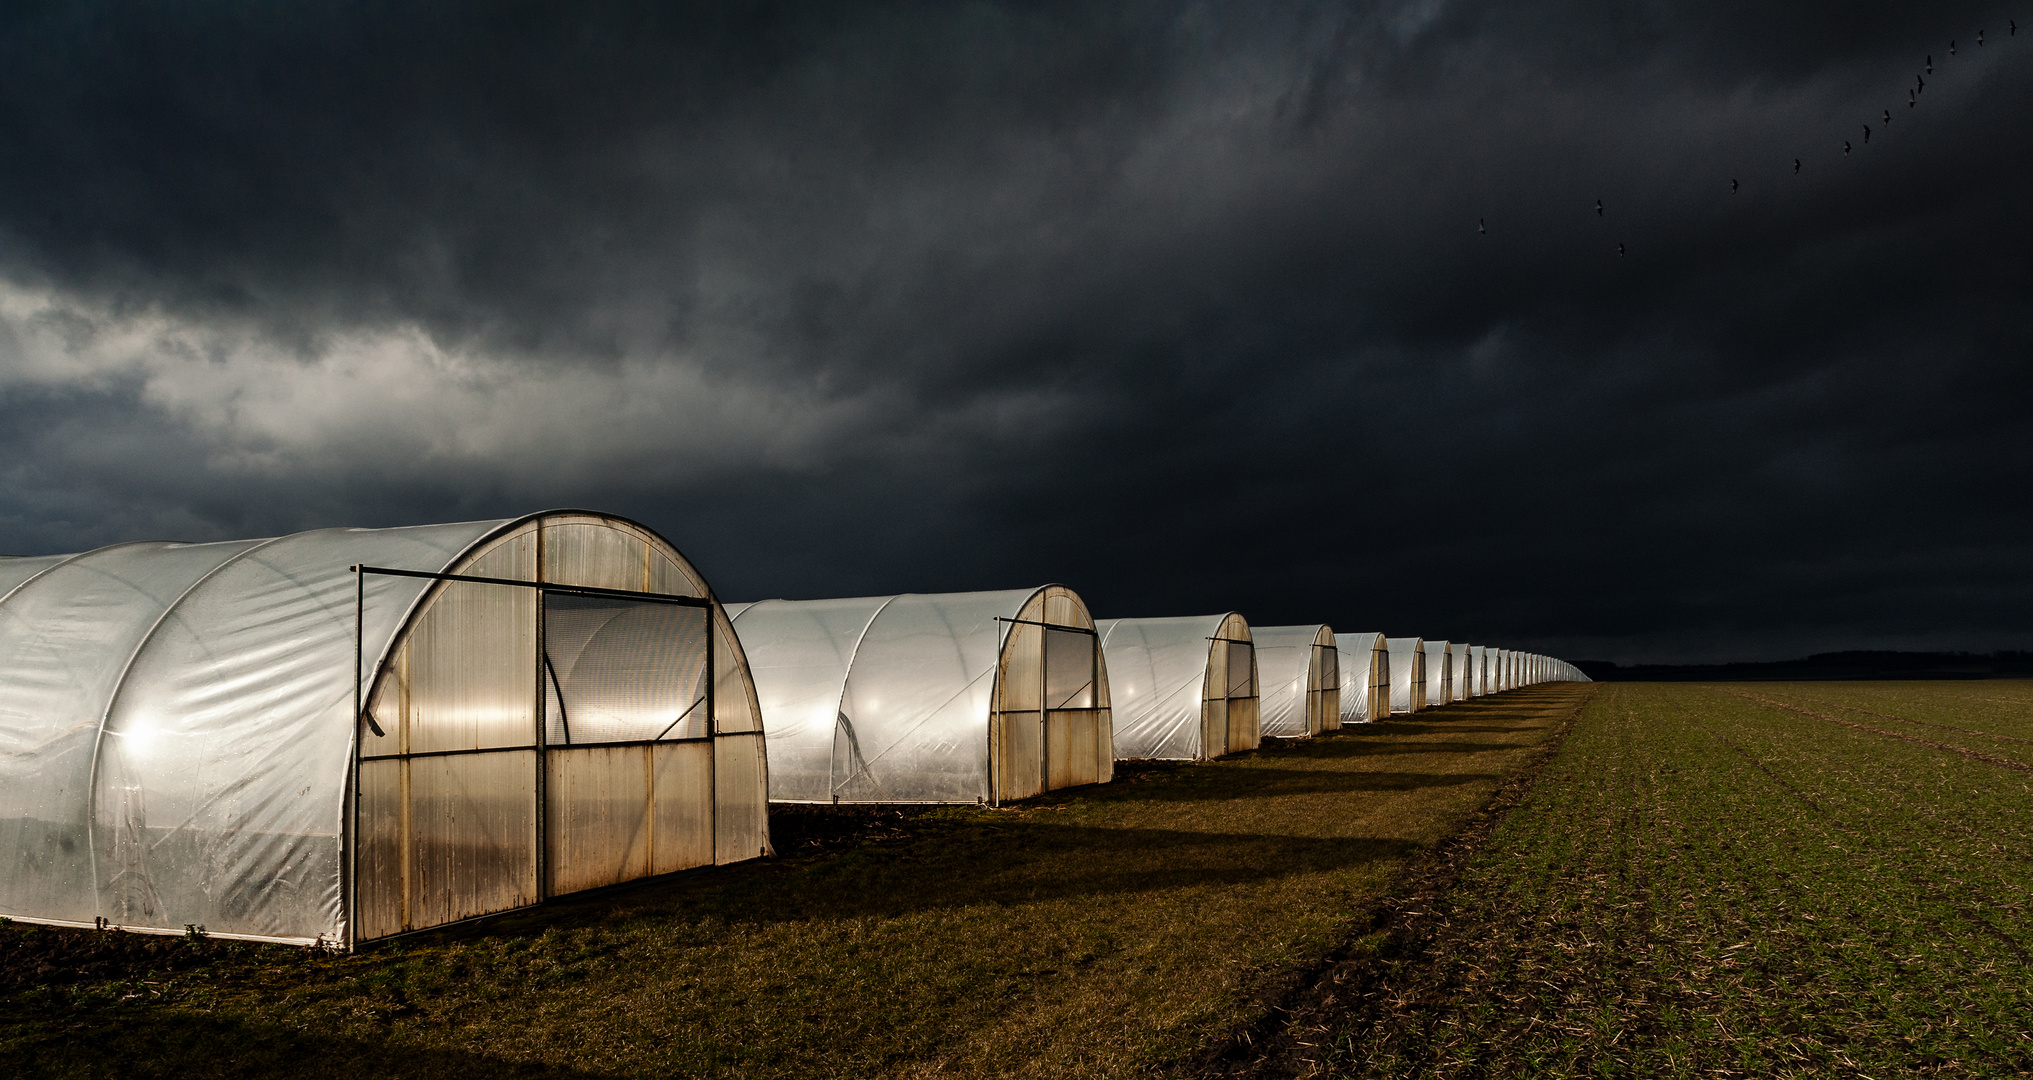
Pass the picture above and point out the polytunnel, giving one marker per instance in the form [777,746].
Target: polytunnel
[1439,672]
[1408,674]
[1186,688]
[982,697]
[1365,677]
[1299,679]
[1464,680]
[551,703]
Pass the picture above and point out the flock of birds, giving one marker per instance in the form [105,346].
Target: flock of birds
[1912,101]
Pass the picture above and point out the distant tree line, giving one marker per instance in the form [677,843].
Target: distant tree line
[1856,664]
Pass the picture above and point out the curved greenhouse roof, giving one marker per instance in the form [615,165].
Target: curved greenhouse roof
[1299,679]
[929,698]
[1464,673]
[1408,674]
[1185,688]
[1365,677]
[178,741]
[1439,671]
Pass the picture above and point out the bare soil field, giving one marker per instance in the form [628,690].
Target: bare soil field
[1155,925]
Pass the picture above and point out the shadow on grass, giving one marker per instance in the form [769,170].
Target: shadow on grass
[964,864]
[149,1044]
[1277,782]
[959,857]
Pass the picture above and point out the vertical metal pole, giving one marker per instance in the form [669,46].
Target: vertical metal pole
[1044,708]
[543,808]
[349,858]
[713,728]
[997,715]
[1104,734]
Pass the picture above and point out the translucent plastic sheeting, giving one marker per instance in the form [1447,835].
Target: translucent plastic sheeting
[1408,674]
[1070,675]
[891,699]
[1365,677]
[1464,685]
[1478,667]
[623,670]
[1439,673]
[1158,679]
[174,728]
[799,654]
[1287,669]
[917,702]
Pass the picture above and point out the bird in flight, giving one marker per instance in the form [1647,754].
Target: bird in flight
[1598,208]
[1732,187]
[1620,251]
[2013,26]
[1481,226]
[1888,116]
[1951,47]
[1980,39]
[1845,148]
[1910,98]
[1796,166]
[1930,63]
[1867,134]
[1922,82]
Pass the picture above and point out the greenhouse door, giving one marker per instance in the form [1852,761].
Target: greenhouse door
[1242,696]
[447,809]
[628,740]
[1072,716]
[1323,703]
[526,740]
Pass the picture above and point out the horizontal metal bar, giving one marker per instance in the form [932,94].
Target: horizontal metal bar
[564,746]
[558,747]
[547,746]
[543,586]
[1050,626]
[452,753]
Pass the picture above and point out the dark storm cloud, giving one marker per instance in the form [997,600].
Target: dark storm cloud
[1182,304]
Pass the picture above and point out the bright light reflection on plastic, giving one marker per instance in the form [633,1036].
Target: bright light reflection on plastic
[140,737]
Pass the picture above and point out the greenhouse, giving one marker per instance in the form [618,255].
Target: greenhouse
[1439,672]
[1299,677]
[983,697]
[1408,674]
[1464,678]
[1186,688]
[1366,677]
[258,739]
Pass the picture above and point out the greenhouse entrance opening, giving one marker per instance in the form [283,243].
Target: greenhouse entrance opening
[1323,705]
[1232,703]
[1051,727]
[624,671]
[1072,722]
[530,745]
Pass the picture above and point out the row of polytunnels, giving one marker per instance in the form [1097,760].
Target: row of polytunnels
[338,736]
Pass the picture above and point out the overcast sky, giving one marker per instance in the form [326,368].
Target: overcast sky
[1182,304]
